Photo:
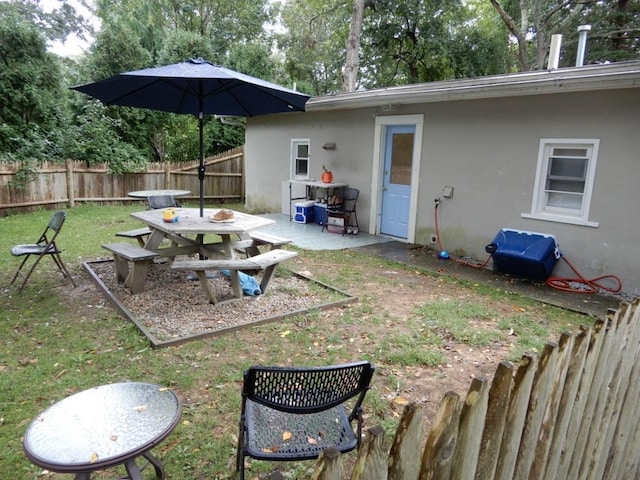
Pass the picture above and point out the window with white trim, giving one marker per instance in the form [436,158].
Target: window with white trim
[300,159]
[564,180]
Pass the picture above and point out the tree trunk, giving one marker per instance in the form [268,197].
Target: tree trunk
[352,62]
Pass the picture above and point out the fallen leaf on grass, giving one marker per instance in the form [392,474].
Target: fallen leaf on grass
[285,333]
[399,402]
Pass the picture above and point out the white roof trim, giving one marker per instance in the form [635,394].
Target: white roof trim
[575,79]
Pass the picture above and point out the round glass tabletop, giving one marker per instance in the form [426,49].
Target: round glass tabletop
[159,193]
[102,426]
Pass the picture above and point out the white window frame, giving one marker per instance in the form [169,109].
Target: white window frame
[294,152]
[540,209]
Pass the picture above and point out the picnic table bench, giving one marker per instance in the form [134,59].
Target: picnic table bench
[267,261]
[258,239]
[140,234]
[140,258]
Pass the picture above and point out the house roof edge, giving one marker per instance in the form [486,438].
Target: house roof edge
[574,79]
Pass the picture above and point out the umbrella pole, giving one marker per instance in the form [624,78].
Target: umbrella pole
[201,167]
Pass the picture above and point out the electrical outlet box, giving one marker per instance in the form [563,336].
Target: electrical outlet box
[434,239]
[447,192]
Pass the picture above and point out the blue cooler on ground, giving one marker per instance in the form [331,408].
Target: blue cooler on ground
[524,254]
[320,213]
[304,212]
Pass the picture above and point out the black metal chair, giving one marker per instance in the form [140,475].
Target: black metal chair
[45,246]
[155,202]
[291,413]
[345,212]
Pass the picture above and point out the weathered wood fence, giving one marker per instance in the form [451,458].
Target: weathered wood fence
[570,414]
[73,182]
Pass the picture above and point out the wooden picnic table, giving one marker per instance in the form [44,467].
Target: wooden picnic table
[191,234]
[187,235]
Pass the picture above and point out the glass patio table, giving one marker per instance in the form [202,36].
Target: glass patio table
[103,427]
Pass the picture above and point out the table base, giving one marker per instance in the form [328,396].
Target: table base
[133,471]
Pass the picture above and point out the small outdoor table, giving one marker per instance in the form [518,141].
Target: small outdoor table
[159,193]
[310,185]
[103,427]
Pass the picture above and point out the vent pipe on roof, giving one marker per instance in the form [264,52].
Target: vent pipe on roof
[583,30]
[554,52]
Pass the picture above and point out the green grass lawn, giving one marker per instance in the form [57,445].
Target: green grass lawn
[55,343]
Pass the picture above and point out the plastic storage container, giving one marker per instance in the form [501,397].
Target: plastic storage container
[304,212]
[524,254]
[320,213]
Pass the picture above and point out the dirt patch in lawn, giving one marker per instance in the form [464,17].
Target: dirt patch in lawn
[385,291]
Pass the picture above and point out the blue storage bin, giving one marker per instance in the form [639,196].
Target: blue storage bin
[525,254]
[320,213]
[304,212]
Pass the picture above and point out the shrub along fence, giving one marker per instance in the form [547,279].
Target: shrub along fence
[72,182]
[570,414]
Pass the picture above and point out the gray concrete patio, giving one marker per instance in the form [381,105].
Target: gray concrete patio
[311,237]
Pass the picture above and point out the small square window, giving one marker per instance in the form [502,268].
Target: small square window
[300,159]
[564,180]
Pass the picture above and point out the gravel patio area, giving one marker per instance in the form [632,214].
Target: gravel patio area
[174,309]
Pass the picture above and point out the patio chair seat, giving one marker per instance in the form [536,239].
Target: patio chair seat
[294,413]
[310,433]
[33,249]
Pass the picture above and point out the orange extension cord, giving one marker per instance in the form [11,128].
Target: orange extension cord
[590,286]
[566,284]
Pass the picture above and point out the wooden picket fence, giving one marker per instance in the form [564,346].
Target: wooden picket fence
[65,184]
[570,414]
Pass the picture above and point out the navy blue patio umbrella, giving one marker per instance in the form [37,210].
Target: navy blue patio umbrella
[199,88]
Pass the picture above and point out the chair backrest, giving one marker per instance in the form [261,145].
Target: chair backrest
[307,390]
[161,201]
[55,223]
[350,198]
[57,220]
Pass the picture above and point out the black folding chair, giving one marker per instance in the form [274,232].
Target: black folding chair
[291,413]
[345,212]
[155,202]
[45,246]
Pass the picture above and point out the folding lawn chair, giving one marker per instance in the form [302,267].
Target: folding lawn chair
[291,413]
[45,246]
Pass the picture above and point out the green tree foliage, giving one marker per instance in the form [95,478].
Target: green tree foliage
[615,28]
[95,138]
[181,45]
[314,43]
[402,41]
[614,35]
[57,24]
[112,52]
[221,22]
[30,92]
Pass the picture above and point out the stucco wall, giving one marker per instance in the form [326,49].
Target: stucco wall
[267,150]
[487,150]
